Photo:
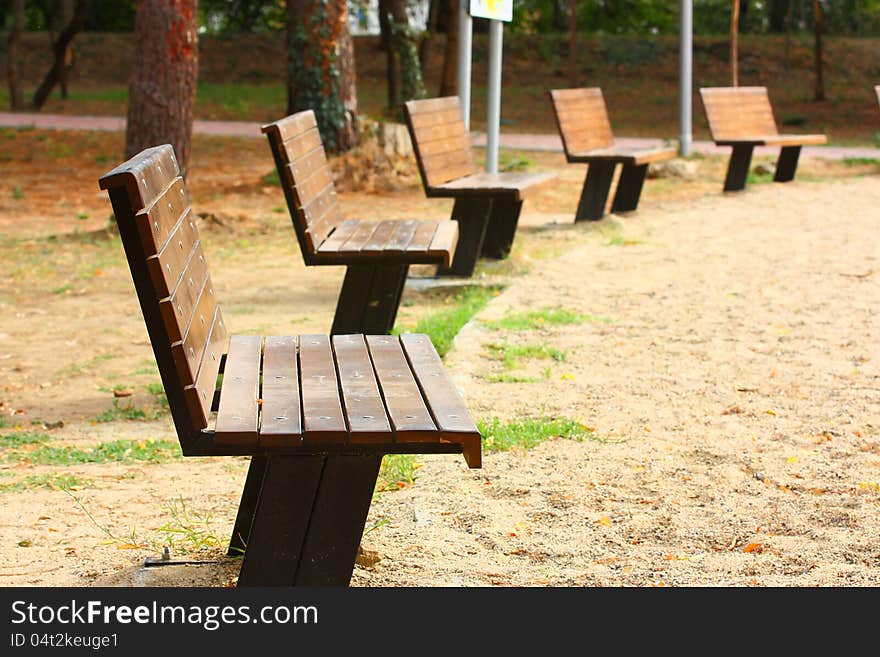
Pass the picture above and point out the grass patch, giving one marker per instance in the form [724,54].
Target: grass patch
[443,325]
[187,531]
[535,319]
[501,436]
[509,378]
[50,481]
[121,412]
[619,240]
[114,451]
[397,471]
[512,354]
[271,179]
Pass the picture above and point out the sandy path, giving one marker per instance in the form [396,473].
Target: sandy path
[732,381]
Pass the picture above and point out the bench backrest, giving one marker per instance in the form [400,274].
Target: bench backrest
[441,142]
[582,119]
[161,240]
[305,177]
[738,112]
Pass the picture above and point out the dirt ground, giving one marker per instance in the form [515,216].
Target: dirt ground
[725,363]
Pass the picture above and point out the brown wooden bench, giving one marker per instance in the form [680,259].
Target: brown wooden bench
[316,413]
[742,117]
[582,119]
[376,254]
[487,206]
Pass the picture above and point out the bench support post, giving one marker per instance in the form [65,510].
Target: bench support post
[738,167]
[472,215]
[247,506]
[369,299]
[309,520]
[787,163]
[503,218]
[594,193]
[629,187]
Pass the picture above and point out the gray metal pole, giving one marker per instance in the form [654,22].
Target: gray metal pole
[493,96]
[465,37]
[686,77]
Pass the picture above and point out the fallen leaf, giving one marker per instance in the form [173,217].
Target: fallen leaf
[757,548]
[733,410]
[24,543]
[126,392]
[605,521]
[128,546]
[770,411]
[791,459]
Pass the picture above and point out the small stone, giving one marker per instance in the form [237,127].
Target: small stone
[678,168]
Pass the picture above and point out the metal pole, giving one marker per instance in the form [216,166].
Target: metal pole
[493,96]
[686,77]
[465,36]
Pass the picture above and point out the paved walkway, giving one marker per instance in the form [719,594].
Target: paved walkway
[535,142]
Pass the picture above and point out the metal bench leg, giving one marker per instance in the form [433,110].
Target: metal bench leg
[369,299]
[787,163]
[338,518]
[250,496]
[594,193]
[281,520]
[472,215]
[503,219]
[629,187]
[738,167]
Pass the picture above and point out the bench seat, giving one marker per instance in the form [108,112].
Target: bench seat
[623,155]
[776,140]
[516,184]
[392,241]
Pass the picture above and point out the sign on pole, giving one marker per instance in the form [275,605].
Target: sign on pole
[496,10]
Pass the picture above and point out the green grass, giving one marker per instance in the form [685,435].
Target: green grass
[501,436]
[271,179]
[512,354]
[22,438]
[443,325]
[114,451]
[397,471]
[536,319]
[619,240]
[50,481]
[187,531]
[509,378]
[121,412]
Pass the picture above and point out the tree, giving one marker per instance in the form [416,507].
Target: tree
[13,76]
[162,90]
[320,69]
[734,44]
[403,55]
[449,77]
[60,51]
[819,88]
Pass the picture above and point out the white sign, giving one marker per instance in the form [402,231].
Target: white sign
[496,10]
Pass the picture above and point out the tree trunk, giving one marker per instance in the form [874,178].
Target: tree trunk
[13,77]
[404,42]
[573,68]
[734,44]
[66,18]
[162,89]
[778,15]
[449,78]
[59,52]
[430,31]
[386,40]
[819,90]
[320,69]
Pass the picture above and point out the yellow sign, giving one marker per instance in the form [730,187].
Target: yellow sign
[496,10]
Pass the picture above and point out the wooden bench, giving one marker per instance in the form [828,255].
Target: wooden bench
[742,117]
[582,119]
[316,413]
[376,254]
[487,206]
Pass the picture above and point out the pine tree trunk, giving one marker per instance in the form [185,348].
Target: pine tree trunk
[13,76]
[59,53]
[390,59]
[449,78]
[734,44]
[405,46]
[320,69]
[162,90]
[819,89]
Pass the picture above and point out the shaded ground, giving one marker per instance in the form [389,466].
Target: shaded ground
[724,362]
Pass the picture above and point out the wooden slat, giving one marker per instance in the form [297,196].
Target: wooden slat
[153,171]
[200,396]
[292,125]
[156,222]
[443,167]
[453,142]
[513,182]
[188,353]
[421,240]
[447,408]
[296,147]
[449,132]
[360,236]
[582,118]
[304,166]
[239,410]
[363,404]
[445,116]
[404,231]
[415,107]
[178,308]
[379,239]
[314,185]
[738,112]
[445,241]
[323,420]
[280,413]
[407,411]
[339,236]
[166,267]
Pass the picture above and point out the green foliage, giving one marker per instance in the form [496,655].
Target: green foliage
[187,531]
[501,436]
[512,354]
[514,162]
[121,412]
[397,471]
[22,438]
[114,451]
[443,325]
[52,481]
[536,319]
